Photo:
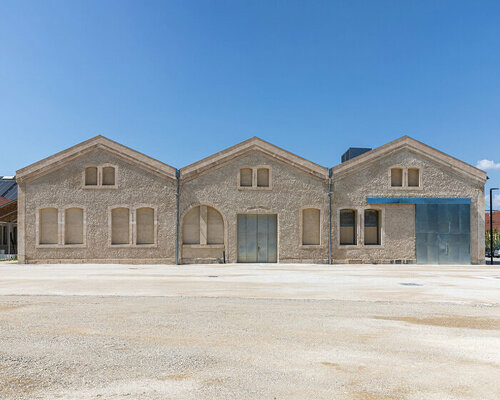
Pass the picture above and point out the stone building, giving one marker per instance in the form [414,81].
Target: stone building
[100,201]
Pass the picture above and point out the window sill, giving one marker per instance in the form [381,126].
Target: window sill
[203,246]
[254,188]
[311,246]
[100,187]
[60,246]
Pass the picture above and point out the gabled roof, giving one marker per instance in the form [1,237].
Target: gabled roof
[415,146]
[253,144]
[60,159]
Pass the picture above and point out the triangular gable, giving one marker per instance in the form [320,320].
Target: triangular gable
[415,146]
[60,159]
[253,144]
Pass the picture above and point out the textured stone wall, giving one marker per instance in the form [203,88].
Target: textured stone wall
[136,186]
[291,190]
[398,237]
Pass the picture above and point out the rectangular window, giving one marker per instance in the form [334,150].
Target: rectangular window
[372,227]
[311,226]
[73,226]
[396,177]
[91,176]
[263,177]
[348,227]
[145,224]
[413,177]
[48,226]
[246,177]
[120,226]
[108,176]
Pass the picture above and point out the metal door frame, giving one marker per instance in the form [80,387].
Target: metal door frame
[268,213]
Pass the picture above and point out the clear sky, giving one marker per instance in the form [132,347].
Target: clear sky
[180,80]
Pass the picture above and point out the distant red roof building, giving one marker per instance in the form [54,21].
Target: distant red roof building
[4,200]
[496,220]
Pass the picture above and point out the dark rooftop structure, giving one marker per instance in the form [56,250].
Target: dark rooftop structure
[354,152]
[8,187]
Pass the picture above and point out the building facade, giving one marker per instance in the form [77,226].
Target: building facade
[100,201]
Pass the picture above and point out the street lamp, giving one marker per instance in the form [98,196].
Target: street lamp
[491,224]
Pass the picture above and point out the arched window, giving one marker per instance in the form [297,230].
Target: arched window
[120,226]
[372,227]
[48,226]
[145,225]
[203,225]
[73,226]
[310,226]
[347,227]
[108,176]
[91,176]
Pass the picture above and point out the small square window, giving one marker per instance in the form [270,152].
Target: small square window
[91,176]
[413,177]
[396,177]
[263,177]
[246,177]
[108,176]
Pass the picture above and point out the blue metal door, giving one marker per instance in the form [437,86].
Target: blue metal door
[257,238]
[442,233]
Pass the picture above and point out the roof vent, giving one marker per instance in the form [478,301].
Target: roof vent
[353,152]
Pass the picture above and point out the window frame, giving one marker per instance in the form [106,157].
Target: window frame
[356,227]
[379,227]
[63,225]
[254,178]
[39,245]
[419,177]
[405,185]
[132,226]
[360,224]
[202,245]
[100,168]
[301,228]
[155,226]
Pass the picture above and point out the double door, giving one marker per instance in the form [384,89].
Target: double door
[257,238]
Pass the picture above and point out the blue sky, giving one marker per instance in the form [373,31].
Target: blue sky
[180,80]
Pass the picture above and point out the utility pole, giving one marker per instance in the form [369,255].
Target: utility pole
[491,224]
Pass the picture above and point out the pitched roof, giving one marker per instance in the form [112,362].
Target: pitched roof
[247,146]
[8,187]
[409,143]
[57,160]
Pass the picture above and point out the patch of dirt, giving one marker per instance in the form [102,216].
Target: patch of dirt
[450,322]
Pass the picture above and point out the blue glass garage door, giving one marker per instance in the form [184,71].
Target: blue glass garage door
[443,233]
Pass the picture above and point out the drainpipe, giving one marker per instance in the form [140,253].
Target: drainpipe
[330,173]
[177,176]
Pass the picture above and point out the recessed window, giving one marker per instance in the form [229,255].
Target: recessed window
[91,176]
[73,226]
[413,177]
[311,227]
[108,176]
[263,177]
[255,178]
[396,177]
[246,177]
[145,225]
[48,227]
[203,225]
[120,226]
[100,177]
[347,227]
[372,227]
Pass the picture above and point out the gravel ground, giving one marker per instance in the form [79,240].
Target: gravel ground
[124,347]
